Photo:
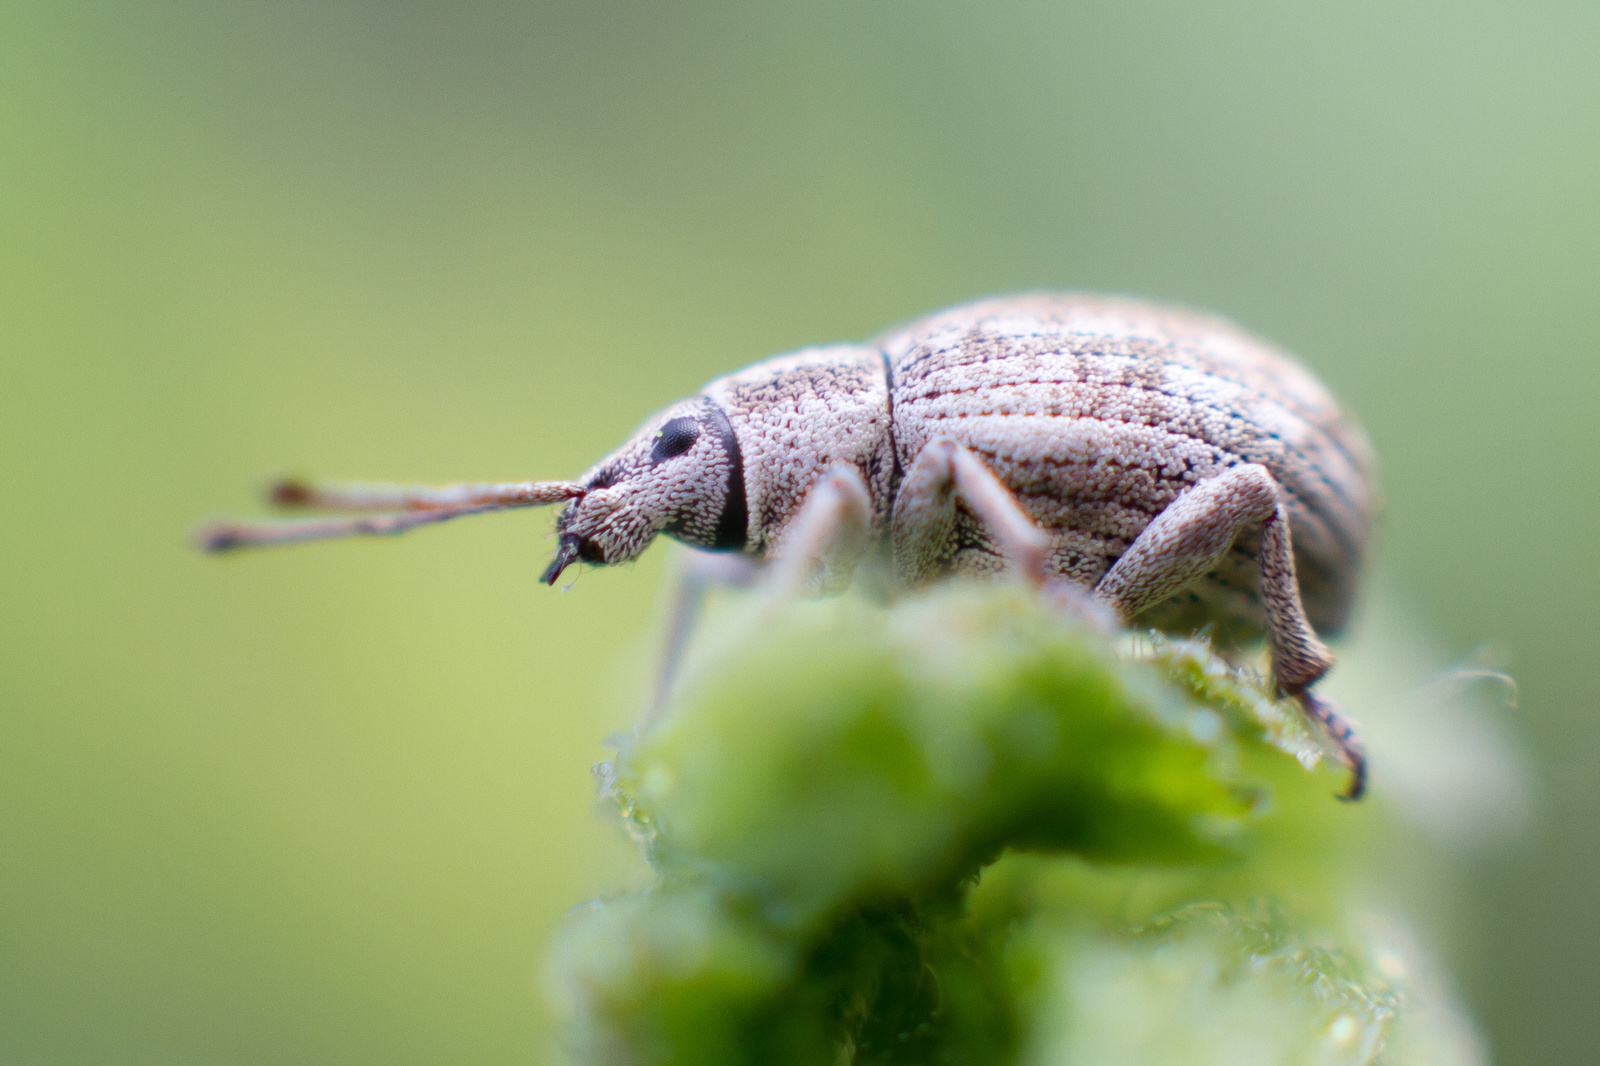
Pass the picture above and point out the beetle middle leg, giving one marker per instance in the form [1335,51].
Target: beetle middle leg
[925,515]
[1190,537]
[925,523]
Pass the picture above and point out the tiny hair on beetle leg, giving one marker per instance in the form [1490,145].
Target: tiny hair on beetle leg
[1159,465]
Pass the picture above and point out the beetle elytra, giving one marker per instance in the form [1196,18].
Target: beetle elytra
[1157,464]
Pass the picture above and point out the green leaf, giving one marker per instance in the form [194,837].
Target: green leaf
[964,829]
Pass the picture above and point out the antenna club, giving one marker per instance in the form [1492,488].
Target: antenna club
[290,492]
[217,539]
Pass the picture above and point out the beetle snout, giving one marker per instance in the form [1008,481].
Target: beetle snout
[569,549]
[572,548]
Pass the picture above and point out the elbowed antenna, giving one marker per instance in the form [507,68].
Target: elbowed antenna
[349,496]
[386,509]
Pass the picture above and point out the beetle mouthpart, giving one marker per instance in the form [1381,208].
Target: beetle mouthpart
[567,551]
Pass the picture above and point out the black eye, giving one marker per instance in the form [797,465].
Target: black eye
[675,438]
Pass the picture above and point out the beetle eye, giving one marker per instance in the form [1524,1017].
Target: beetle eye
[675,438]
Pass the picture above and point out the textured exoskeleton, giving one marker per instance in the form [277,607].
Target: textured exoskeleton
[1163,464]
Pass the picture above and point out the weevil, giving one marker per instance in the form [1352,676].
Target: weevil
[1158,465]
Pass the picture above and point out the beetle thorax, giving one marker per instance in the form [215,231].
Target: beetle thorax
[797,415]
[728,470]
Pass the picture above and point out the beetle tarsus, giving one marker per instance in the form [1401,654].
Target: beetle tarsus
[1343,734]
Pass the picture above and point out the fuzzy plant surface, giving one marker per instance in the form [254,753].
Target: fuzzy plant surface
[963,830]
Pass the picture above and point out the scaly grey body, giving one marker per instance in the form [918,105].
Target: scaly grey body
[1098,413]
[1171,466]
[1095,412]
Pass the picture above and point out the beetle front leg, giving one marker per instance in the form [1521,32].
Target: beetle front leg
[819,551]
[698,574]
[825,540]
[1190,537]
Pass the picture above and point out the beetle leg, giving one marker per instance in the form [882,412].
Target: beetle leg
[1190,537]
[698,574]
[829,533]
[1193,534]
[824,541]
[925,515]
[925,518]
[1343,733]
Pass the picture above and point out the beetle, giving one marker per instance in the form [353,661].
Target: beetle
[1145,461]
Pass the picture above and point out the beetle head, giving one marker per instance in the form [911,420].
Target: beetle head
[680,474]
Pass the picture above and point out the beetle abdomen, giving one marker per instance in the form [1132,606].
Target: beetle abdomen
[1098,412]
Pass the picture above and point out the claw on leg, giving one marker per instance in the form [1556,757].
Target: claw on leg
[1342,732]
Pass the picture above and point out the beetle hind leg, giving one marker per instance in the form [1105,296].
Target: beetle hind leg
[1190,537]
[1343,734]
[1185,541]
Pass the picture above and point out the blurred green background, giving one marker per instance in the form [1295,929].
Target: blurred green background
[327,805]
